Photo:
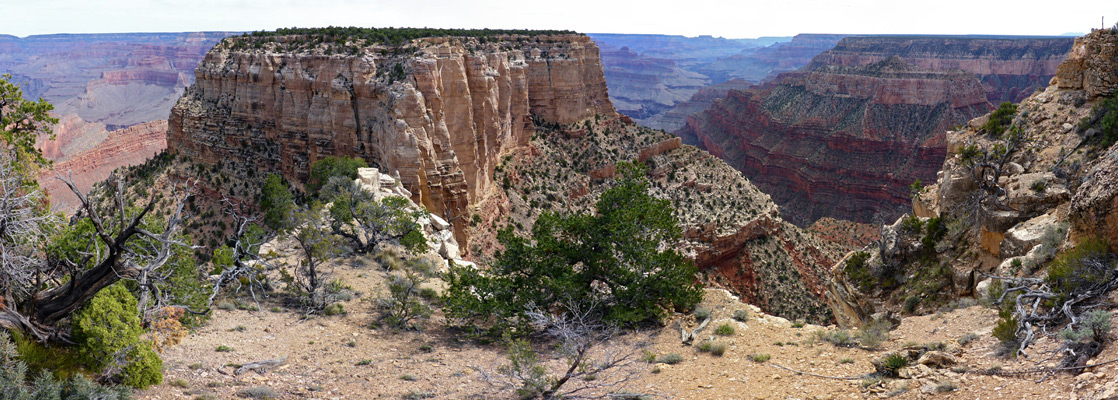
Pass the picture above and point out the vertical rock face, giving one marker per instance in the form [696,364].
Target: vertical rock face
[842,142]
[440,117]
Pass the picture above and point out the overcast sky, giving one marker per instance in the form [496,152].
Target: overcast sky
[734,19]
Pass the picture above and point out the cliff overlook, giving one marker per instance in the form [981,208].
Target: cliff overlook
[485,131]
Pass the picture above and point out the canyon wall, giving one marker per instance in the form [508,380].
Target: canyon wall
[644,87]
[101,84]
[439,118]
[842,142]
[760,64]
[1010,67]
[119,148]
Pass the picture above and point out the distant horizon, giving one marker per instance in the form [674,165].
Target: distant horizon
[739,20]
[1068,34]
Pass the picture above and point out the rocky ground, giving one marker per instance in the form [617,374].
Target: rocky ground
[342,357]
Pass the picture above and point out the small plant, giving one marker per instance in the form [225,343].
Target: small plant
[670,359]
[259,392]
[838,337]
[945,387]
[759,358]
[1039,185]
[846,361]
[893,363]
[364,362]
[414,395]
[223,349]
[965,339]
[724,330]
[798,324]
[409,377]
[226,305]
[702,313]
[180,383]
[1000,119]
[741,315]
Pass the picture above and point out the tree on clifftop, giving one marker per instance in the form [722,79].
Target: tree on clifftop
[22,121]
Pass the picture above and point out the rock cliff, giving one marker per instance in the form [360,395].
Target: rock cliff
[1055,188]
[759,64]
[488,133]
[101,83]
[841,142]
[1010,67]
[643,87]
[439,117]
[120,148]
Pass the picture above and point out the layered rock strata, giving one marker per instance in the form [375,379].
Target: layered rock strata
[842,142]
[438,118]
[120,148]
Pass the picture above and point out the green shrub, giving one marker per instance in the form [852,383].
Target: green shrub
[277,202]
[144,367]
[618,258]
[15,385]
[893,363]
[910,304]
[858,272]
[223,349]
[741,315]
[1085,265]
[838,337]
[713,347]
[759,358]
[702,313]
[109,324]
[1006,329]
[331,166]
[259,393]
[724,330]
[1000,119]
[671,358]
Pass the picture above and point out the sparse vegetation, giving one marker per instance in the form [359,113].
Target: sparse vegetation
[759,358]
[741,315]
[1000,119]
[724,330]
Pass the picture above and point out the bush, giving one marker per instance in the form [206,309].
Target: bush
[702,313]
[838,337]
[759,358]
[15,385]
[893,363]
[144,367]
[403,304]
[331,166]
[741,315]
[671,358]
[1000,119]
[277,202]
[858,272]
[1086,265]
[724,330]
[619,259]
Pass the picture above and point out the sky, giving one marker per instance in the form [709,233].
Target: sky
[731,19]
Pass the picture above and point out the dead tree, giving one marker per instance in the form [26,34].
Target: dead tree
[122,247]
[245,263]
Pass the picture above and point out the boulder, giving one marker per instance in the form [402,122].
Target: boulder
[1093,209]
[1035,193]
[439,223]
[1021,238]
[937,359]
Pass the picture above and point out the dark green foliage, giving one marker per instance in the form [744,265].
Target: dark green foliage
[858,271]
[403,305]
[356,214]
[1000,119]
[1006,329]
[893,363]
[14,384]
[618,259]
[144,367]
[331,166]
[23,122]
[276,202]
[110,326]
[395,36]
[1084,266]
[934,231]
[1105,118]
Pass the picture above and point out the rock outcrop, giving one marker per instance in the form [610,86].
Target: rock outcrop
[841,142]
[1056,188]
[440,117]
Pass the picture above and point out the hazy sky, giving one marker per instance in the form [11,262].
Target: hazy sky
[737,19]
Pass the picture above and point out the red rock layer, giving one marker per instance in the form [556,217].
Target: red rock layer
[125,147]
[839,142]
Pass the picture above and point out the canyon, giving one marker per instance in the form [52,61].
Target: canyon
[101,86]
[487,133]
[845,136]
[649,76]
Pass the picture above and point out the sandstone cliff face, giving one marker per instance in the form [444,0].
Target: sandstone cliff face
[842,142]
[439,118]
[1010,68]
